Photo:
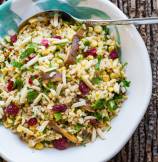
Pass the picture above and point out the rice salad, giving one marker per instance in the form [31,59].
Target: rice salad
[61,82]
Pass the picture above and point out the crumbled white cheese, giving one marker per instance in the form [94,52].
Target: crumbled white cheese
[45,96]
[43,126]
[59,88]
[45,69]
[36,82]
[2,103]
[94,135]
[100,133]
[79,104]
[23,94]
[117,88]
[37,99]
[64,77]
[9,100]
[1,113]
[31,62]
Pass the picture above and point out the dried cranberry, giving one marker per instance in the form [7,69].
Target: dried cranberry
[83,88]
[94,122]
[12,110]
[36,76]
[10,85]
[30,81]
[13,38]
[61,143]
[59,108]
[32,121]
[45,43]
[113,55]
[91,52]
[57,37]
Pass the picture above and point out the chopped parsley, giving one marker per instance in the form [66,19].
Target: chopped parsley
[78,127]
[98,115]
[32,95]
[112,105]
[118,96]
[86,42]
[124,65]
[106,30]
[97,67]
[57,116]
[51,85]
[79,59]
[126,83]
[18,84]
[96,80]
[99,104]
[17,64]
[30,49]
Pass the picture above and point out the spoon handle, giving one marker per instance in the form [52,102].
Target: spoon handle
[135,21]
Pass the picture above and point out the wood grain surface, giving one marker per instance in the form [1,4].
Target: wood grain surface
[143,146]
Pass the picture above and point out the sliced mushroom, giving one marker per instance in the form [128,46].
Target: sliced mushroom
[72,52]
[55,78]
[62,131]
[80,32]
[88,108]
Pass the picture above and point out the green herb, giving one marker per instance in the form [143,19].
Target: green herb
[50,85]
[118,96]
[98,115]
[106,118]
[79,59]
[78,127]
[17,64]
[126,83]
[112,106]
[108,129]
[124,65]
[58,116]
[99,104]
[18,84]
[59,45]
[32,45]
[86,43]
[45,90]
[30,49]
[97,67]
[0,122]
[31,96]
[1,98]
[106,30]
[96,80]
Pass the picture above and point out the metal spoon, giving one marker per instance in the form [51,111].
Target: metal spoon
[134,21]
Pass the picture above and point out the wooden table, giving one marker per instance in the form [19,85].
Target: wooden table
[143,146]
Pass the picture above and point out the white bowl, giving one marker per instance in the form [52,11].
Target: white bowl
[139,73]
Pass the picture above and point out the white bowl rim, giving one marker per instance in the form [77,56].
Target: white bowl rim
[121,15]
